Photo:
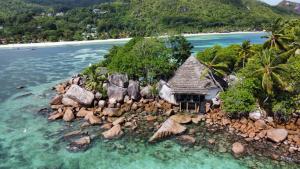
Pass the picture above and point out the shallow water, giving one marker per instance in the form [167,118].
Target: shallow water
[28,140]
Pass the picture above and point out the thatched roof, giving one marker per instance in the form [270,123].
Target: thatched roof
[189,79]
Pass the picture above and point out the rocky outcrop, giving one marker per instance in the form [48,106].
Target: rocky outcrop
[166,94]
[238,149]
[181,118]
[169,127]
[119,80]
[116,93]
[133,90]
[114,132]
[68,115]
[277,135]
[56,100]
[80,95]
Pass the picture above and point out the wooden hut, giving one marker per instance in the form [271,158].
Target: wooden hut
[192,87]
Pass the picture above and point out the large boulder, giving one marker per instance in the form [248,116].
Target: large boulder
[119,80]
[169,127]
[133,90]
[114,132]
[166,94]
[277,135]
[116,93]
[160,84]
[181,118]
[238,149]
[146,92]
[80,95]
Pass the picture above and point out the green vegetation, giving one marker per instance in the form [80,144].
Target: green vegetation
[144,59]
[268,74]
[40,21]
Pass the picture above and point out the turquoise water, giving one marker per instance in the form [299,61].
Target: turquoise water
[28,140]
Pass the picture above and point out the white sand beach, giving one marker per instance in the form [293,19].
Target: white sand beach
[62,43]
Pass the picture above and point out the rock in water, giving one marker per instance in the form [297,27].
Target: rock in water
[238,149]
[166,94]
[116,93]
[181,118]
[133,90]
[56,100]
[80,95]
[186,139]
[80,144]
[277,135]
[169,127]
[114,132]
[119,80]
[68,116]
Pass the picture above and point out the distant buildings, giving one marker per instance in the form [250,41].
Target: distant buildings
[99,11]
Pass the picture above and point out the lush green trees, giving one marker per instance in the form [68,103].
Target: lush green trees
[180,48]
[245,52]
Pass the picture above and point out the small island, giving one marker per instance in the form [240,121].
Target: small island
[156,89]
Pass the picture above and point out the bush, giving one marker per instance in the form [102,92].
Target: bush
[237,102]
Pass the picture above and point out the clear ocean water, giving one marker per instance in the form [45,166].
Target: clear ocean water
[28,140]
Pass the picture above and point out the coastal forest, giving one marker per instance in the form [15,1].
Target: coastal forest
[28,21]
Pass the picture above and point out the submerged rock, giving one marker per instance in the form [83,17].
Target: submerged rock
[80,95]
[80,144]
[169,127]
[114,132]
[277,135]
[238,149]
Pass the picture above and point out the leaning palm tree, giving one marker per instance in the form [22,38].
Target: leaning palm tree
[244,53]
[271,72]
[213,68]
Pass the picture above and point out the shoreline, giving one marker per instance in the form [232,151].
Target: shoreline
[63,43]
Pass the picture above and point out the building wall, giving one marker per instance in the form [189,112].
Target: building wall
[212,93]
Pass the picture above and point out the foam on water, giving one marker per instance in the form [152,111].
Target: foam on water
[28,140]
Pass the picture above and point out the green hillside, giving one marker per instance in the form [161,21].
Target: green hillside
[124,18]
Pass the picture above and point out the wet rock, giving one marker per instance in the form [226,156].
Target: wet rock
[166,94]
[186,139]
[80,144]
[20,87]
[146,92]
[277,135]
[114,132]
[119,121]
[112,112]
[256,115]
[116,93]
[238,149]
[181,118]
[133,90]
[68,115]
[56,115]
[72,134]
[169,127]
[119,80]
[83,112]
[80,95]
[56,100]
[221,148]
[107,126]
[69,102]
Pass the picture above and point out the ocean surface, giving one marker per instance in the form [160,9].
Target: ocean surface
[28,140]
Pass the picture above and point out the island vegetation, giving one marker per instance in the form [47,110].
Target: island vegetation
[40,21]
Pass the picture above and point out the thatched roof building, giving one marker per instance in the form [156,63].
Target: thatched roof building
[189,79]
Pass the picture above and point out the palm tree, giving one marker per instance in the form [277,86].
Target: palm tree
[245,52]
[270,71]
[276,38]
[213,68]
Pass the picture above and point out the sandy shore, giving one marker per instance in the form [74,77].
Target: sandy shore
[47,44]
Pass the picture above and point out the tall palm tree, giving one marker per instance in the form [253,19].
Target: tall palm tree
[213,68]
[245,52]
[276,38]
[271,71]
